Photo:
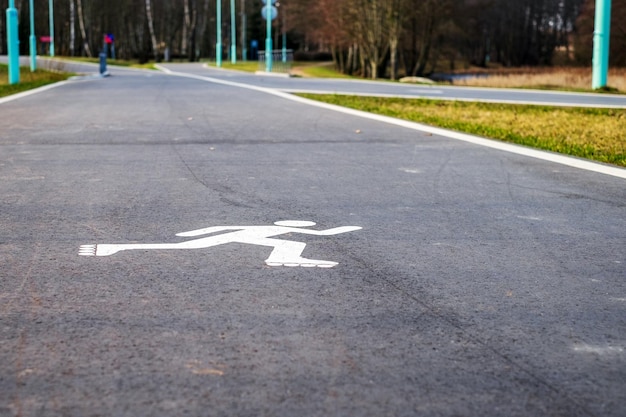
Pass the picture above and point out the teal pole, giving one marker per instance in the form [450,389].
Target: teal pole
[233,33]
[244,47]
[601,36]
[33,40]
[268,38]
[284,36]
[51,8]
[218,45]
[13,44]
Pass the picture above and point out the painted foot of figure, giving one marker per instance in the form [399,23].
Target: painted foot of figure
[303,262]
[98,250]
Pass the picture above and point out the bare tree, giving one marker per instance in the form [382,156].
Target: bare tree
[81,23]
[155,47]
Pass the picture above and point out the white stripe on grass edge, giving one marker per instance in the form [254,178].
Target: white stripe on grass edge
[31,92]
[476,140]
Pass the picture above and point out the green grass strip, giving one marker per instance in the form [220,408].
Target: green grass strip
[596,134]
[28,80]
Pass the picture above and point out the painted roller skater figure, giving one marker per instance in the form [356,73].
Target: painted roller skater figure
[285,252]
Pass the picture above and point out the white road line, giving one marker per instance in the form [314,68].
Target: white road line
[31,92]
[476,140]
[424,93]
[429,95]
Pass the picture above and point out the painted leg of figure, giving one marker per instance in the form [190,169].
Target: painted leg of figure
[110,249]
[288,253]
[107,249]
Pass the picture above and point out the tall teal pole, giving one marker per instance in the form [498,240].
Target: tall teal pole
[13,44]
[33,40]
[51,8]
[244,49]
[284,11]
[601,36]
[233,33]
[218,44]
[268,38]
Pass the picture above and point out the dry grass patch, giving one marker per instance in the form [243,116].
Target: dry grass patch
[559,78]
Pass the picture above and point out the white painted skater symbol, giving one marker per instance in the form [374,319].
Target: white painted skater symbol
[285,252]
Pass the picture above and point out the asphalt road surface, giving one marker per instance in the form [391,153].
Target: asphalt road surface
[453,279]
[367,87]
[439,92]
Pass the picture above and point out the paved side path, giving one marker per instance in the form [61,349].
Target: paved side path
[389,89]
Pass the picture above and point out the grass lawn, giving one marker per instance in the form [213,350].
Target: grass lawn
[28,80]
[247,66]
[597,134]
[301,69]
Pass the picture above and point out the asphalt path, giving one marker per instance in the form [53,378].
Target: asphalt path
[391,89]
[474,281]
[368,87]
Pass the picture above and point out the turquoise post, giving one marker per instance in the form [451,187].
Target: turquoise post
[601,36]
[233,33]
[244,48]
[284,11]
[218,44]
[284,40]
[33,40]
[51,8]
[13,44]
[268,38]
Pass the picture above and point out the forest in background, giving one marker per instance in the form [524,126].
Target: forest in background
[370,38]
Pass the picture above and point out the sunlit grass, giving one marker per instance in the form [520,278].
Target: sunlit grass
[300,69]
[28,80]
[597,134]
[247,66]
[318,70]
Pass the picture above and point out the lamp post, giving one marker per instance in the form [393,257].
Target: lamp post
[51,12]
[284,35]
[13,44]
[269,8]
[218,44]
[33,40]
[244,48]
[601,36]
[233,33]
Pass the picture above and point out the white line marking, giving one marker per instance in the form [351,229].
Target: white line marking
[600,350]
[529,218]
[428,95]
[476,140]
[31,92]
[410,170]
[284,253]
[425,91]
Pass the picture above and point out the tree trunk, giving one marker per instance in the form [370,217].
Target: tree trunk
[72,27]
[393,47]
[81,23]
[184,37]
[155,47]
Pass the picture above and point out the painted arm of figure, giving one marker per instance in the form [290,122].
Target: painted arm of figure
[209,230]
[328,232]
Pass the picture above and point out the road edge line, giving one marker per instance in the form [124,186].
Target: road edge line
[27,93]
[464,137]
